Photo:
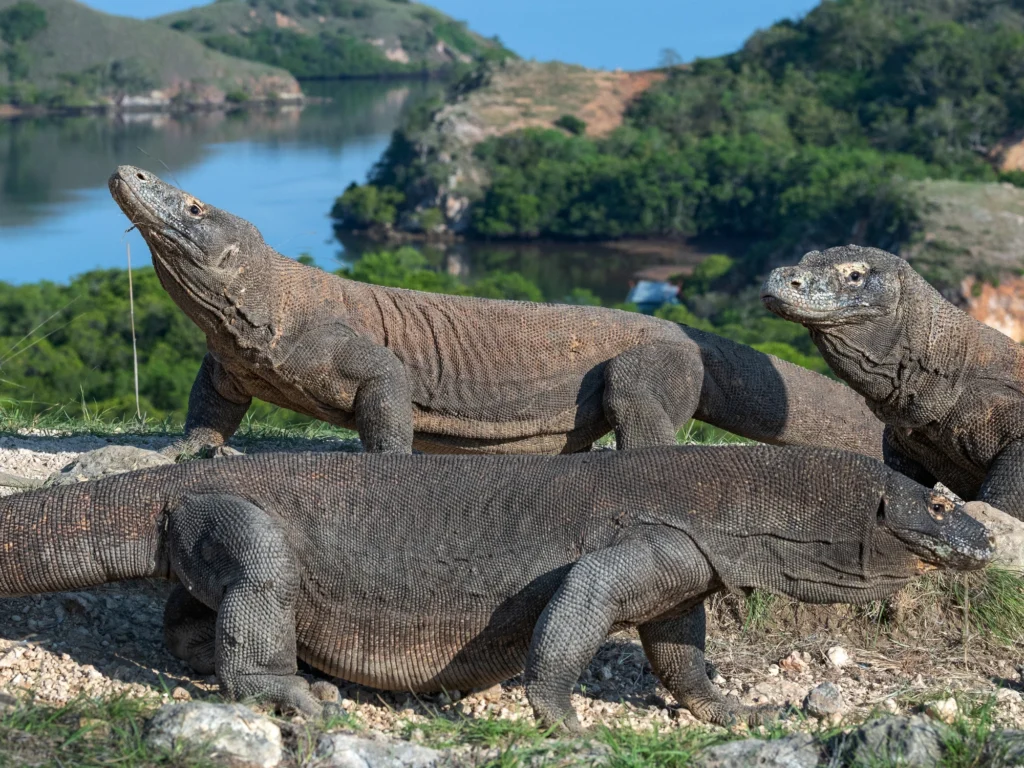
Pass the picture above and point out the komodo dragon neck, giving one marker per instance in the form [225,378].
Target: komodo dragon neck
[251,305]
[911,369]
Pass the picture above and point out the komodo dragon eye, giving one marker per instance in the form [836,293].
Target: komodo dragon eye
[195,209]
[855,277]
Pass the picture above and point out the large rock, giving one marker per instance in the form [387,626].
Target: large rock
[1008,532]
[911,742]
[228,734]
[103,462]
[346,750]
[794,751]
[1005,749]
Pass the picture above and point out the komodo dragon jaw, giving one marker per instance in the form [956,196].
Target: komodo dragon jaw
[833,288]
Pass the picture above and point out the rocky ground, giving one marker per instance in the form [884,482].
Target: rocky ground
[108,641]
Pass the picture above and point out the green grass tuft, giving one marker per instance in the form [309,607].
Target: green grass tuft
[993,603]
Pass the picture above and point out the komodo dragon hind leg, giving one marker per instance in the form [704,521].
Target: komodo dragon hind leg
[675,648]
[650,392]
[234,558]
[190,631]
[1004,484]
[641,576]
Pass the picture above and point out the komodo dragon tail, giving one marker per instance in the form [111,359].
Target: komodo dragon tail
[81,536]
[769,400]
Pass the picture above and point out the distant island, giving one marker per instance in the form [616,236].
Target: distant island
[315,39]
[60,55]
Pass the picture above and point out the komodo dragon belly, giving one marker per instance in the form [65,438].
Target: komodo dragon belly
[384,647]
[567,415]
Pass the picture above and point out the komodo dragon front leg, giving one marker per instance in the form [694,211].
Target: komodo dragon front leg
[235,559]
[1004,484]
[650,392]
[216,406]
[340,372]
[646,581]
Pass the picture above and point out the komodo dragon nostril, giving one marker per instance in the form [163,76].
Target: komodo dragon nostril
[142,176]
[796,283]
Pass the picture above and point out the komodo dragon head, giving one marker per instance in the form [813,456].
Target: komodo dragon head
[935,528]
[199,251]
[881,328]
[849,285]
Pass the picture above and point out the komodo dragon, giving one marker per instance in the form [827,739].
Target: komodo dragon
[424,573]
[950,388]
[455,374]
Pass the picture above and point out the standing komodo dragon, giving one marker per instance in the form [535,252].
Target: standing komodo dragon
[450,572]
[950,388]
[455,374]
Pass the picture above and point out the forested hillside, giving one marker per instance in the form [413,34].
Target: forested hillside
[337,38]
[808,135]
[59,54]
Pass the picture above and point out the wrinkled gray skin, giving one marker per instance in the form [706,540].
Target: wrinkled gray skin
[452,572]
[454,374]
[950,388]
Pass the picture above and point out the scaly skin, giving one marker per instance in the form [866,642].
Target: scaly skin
[451,374]
[950,388]
[451,572]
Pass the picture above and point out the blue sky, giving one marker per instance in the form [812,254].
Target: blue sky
[596,33]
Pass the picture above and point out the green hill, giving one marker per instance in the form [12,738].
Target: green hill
[59,53]
[816,132]
[337,38]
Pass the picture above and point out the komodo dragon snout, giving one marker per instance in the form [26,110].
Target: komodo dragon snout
[836,286]
[179,226]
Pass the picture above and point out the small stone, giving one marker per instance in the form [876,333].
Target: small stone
[322,690]
[224,733]
[492,694]
[794,663]
[347,750]
[1008,696]
[7,703]
[718,680]
[9,659]
[94,728]
[838,656]
[824,701]
[943,709]
[890,705]
[180,694]
[606,673]
[773,670]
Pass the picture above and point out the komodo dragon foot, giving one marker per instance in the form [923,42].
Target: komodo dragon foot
[235,563]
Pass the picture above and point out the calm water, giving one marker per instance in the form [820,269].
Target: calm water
[281,170]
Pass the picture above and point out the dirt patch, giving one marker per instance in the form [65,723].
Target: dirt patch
[531,95]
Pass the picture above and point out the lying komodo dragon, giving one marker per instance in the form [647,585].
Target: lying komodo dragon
[455,374]
[950,388]
[450,572]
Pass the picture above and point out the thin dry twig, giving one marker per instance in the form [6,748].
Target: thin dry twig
[135,348]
